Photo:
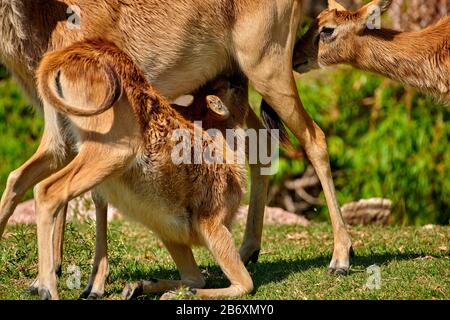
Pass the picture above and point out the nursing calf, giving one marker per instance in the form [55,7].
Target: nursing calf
[133,168]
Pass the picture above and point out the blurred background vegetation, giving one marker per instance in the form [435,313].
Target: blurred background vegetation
[385,140]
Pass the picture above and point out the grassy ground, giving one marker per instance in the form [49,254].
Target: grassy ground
[414,261]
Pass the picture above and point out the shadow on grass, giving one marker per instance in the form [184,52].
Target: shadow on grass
[274,271]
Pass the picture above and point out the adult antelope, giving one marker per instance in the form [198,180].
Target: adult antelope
[180,46]
[420,59]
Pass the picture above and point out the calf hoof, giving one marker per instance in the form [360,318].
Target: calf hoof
[85,294]
[88,294]
[179,295]
[44,294]
[133,290]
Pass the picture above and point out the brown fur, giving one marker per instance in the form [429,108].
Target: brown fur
[179,45]
[420,59]
[197,202]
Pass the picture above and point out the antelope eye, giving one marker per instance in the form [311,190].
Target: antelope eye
[327,31]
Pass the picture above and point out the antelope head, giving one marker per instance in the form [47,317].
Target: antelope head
[331,37]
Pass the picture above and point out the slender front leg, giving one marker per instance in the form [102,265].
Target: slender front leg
[251,246]
[268,65]
[291,111]
[96,287]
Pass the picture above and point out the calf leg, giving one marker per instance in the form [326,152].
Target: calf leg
[88,169]
[96,287]
[189,272]
[220,243]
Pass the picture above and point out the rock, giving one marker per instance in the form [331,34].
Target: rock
[24,214]
[83,208]
[367,211]
[274,216]
[80,208]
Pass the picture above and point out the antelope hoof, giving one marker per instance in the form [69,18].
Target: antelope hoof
[249,254]
[254,257]
[88,294]
[171,295]
[341,267]
[133,290]
[94,296]
[34,287]
[44,294]
[339,272]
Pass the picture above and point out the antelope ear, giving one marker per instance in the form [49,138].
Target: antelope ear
[216,105]
[334,5]
[370,14]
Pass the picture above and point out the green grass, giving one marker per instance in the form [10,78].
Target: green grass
[414,262]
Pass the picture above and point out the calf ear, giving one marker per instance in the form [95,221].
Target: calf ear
[216,105]
[334,5]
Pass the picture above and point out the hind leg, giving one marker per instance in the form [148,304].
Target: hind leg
[220,243]
[89,168]
[189,272]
